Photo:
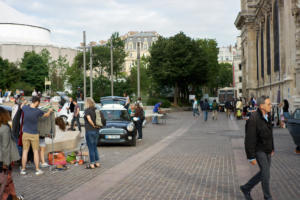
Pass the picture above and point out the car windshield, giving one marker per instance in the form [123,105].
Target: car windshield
[116,115]
[113,101]
[297,114]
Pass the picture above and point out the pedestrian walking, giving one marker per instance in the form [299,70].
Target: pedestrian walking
[127,103]
[205,109]
[131,111]
[75,116]
[239,108]
[139,101]
[91,133]
[195,108]
[285,108]
[139,114]
[259,146]
[78,96]
[215,110]
[30,132]
[34,93]
[156,110]
[228,108]
[71,106]
[8,154]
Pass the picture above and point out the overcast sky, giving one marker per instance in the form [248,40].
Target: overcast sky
[100,18]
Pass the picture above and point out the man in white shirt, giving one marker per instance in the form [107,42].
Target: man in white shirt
[195,107]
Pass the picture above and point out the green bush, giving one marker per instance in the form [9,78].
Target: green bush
[23,86]
[165,102]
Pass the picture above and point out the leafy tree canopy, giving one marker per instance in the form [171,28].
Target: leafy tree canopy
[35,69]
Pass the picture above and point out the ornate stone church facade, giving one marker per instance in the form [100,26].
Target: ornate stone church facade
[270,34]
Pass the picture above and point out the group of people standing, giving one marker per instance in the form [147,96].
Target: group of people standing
[137,114]
[24,134]
[204,107]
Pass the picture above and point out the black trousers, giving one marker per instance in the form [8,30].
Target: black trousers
[264,162]
[77,121]
[139,127]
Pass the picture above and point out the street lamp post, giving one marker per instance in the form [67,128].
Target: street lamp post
[91,70]
[138,71]
[84,68]
[111,68]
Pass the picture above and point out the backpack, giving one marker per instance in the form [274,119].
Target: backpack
[98,118]
[214,105]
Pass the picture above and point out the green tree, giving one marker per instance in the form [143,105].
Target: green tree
[101,59]
[144,77]
[57,73]
[211,51]
[118,54]
[35,69]
[178,62]
[74,73]
[225,75]
[101,87]
[9,74]
[101,64]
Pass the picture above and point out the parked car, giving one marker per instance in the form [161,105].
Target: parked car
[293,125]
[119,128]
[67,116]
[113,100]
[55,99]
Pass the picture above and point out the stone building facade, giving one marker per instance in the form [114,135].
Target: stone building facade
[237,69]
[146,39]
[226,54]
[232,55]
[270,34]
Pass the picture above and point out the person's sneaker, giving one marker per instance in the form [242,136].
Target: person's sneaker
[246,193]
[20,197]
[39,172]
[139,139]
[23,172]
[45,165]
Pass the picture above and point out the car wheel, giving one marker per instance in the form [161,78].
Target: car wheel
[65,119]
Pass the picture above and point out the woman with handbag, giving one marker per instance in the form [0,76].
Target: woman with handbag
[91,133]
[8,154]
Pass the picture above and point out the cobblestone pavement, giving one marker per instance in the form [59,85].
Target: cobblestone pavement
[205,161]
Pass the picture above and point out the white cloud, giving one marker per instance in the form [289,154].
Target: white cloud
[197,18]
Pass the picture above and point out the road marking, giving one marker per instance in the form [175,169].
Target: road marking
[96,187]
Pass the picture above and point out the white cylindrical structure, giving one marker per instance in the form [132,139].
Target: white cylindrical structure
[22,33]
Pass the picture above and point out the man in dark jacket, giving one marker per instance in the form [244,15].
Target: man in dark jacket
[205,109]
[259,147]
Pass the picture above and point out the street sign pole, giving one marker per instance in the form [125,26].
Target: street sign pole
[111,68]
[91,70]
[138,71]
[84,68]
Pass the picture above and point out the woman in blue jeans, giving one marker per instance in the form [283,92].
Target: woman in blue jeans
[91,133]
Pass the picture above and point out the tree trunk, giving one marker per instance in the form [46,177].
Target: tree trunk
[176,94]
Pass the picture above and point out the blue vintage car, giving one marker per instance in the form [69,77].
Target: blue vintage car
[293,125]
[119,127]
